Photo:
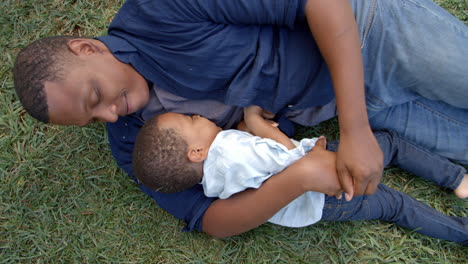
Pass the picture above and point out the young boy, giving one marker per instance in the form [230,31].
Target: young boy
[174,152]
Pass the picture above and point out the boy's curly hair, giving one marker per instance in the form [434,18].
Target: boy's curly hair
[43,60]
[160,159]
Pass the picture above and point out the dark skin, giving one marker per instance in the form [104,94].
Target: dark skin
[102,88]
[359,160]
[99,88]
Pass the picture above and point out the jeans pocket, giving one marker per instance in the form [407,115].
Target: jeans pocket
[374,104]
[369,22]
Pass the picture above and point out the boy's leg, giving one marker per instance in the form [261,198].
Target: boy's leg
[435,126]
[399,208]
[401,152]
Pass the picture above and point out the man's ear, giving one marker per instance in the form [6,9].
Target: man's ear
[83,46]
[197,153]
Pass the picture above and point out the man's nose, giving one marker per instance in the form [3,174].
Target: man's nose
[107,114]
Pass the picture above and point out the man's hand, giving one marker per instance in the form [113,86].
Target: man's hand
[359,164]
[359,158]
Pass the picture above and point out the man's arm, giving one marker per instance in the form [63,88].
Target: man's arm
[249,209]
[254,120]
[243,211]
[359,160]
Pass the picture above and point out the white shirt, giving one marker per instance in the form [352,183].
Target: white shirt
[238,160]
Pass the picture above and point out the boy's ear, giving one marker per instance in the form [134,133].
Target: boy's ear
[80,46]
[197,154]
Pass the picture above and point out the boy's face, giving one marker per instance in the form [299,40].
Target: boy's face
[96,88]
[196,130]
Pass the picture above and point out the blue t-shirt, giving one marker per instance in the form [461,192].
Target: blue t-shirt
[239,52]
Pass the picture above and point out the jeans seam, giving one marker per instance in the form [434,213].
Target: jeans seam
[365,203]
[376,99]
[333,207]
[369,23]
[448,118]
[344,214]
[431,213]
[374,104]
[406,2]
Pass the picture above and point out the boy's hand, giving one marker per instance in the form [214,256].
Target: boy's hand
[255,110]
[319,166]
[242,126]
[252,111]
[254,117]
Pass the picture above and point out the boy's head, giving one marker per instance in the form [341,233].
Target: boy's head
[74,81]
[170,150]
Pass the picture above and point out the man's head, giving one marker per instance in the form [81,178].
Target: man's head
[76,81]
[170,150]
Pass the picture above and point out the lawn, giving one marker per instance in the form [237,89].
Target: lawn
[64,200]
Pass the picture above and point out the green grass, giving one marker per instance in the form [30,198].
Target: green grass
[63,199]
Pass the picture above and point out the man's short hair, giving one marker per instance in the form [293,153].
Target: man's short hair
[160,159]
[42,60]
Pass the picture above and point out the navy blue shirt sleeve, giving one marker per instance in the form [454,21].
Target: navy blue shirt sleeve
[251,12]
[189,205]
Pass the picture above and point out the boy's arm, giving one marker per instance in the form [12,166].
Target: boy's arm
[249,209]
[243,211]
[263,128]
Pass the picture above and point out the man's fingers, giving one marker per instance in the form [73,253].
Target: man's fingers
[373,186]
[367,184]
[348,197]
[360,185]
[347,184]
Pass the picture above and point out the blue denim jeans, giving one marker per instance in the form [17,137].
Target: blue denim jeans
[416,72]
[391,205]
[400,208]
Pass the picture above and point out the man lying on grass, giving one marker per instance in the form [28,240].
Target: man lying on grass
[304,60]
